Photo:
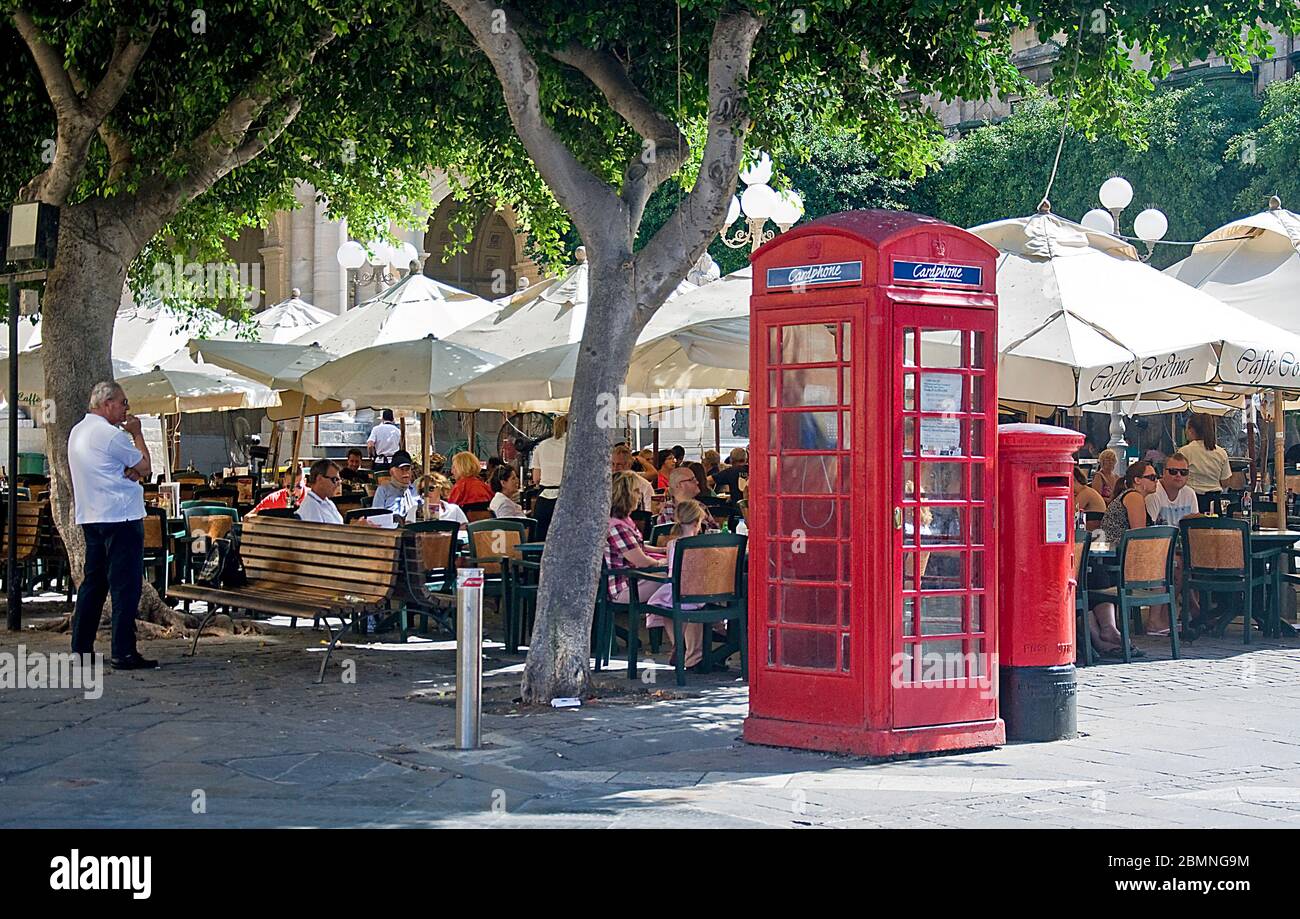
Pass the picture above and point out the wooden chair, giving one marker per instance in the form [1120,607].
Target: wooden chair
[644,521]
[203,522]
[490,542]
[1218,558]
[1083,635]
[1146,578]
[659,534]
[157,548]
[479,510]
[52,554]
[1092,519]
[706,571]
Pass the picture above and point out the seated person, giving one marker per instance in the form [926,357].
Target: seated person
[728,480]
[1173,499]
[623,548]
[667,462]
[1127,512]
[322,485]
[469,488]
[1086,498]
[434,488]
[352,471]
[505,482]
[691,518]
[683,485]
[398,494]
[621,460]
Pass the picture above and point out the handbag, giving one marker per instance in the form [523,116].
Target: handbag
[222,566]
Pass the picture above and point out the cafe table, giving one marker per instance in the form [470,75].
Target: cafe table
[1268,539]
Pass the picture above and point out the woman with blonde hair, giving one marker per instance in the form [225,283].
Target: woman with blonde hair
[1105,480]
[435,506]
[688,522]
[469,489]
[624,548]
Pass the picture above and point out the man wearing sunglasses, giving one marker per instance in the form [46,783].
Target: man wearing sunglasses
[322,485]
[1173,498]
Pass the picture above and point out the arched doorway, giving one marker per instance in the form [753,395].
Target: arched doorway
[488,265]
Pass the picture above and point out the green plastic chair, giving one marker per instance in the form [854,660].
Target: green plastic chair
[1082,557]
[697,578]
[1146,578]
[490,543]
[192,563]
[1218,558]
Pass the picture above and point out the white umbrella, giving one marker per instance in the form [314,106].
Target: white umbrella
[279,366]
[549,313]
[713,354]
[148,333]
[166,392]
[725,298]
[1252,264]
[289,319]
[412,308]
[1081,319]
[543,382]
[31,374]
[403,375]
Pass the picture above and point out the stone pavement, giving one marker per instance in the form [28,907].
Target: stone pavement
[240,736]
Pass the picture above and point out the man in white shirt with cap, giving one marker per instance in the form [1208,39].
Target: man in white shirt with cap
[385,439]
[108,459]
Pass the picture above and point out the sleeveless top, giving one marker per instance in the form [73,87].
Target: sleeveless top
[1115,522]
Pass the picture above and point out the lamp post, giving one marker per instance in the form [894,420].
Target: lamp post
[380,256]
[1149,226]
[759,203]
[29,236]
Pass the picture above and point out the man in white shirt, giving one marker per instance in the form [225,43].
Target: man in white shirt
[322,484]
[1173,499]
[385,439]
[108,459]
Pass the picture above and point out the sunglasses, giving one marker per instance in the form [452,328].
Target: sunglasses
[1150,477]
[1178,471]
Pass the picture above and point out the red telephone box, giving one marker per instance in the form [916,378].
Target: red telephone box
[872,501]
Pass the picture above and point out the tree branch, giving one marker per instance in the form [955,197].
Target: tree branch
[663,262]
[78,119]
[226,143]
[590,202]
[669,148]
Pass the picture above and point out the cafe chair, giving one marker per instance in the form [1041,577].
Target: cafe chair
[1146,579]
[223,494]
[707,571]
[644,521]
[1092,519]
[430,572]
[1083,635]
[604,630]
[476,511]
[659,534]
[157,548]
[52,554]
[490,543]
[1218,558]
[202,522]
[524,577]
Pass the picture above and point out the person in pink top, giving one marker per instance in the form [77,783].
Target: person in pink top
[689,520]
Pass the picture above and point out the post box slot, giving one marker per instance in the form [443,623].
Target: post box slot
[1053,481]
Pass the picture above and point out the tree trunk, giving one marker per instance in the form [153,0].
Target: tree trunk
[80,304]
[560,649]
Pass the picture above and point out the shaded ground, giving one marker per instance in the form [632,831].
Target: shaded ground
[1210,740]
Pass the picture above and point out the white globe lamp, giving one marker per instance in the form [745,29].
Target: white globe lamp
[758,202]
[757,172]
[1116,193]
[351,255]
[1099,220]
[1151,225]
[733,211]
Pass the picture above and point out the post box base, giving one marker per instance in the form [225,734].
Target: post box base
[881,743]
[1039,703]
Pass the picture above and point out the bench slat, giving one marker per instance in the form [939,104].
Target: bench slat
[324,532]
[256,550]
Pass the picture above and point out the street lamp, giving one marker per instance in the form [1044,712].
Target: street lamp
[380,256]
[1115,194]
[759,203]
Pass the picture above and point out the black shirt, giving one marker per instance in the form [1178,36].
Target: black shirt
[727,480]
[360,476]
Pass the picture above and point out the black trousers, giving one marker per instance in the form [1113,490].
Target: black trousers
[543,510]
[1204,501]
[114,565]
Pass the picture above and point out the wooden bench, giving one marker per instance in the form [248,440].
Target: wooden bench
[307,571]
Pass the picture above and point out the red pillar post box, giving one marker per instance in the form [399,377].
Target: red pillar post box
[1036,618]
[872,491]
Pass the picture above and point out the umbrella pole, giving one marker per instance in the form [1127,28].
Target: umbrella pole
[174,444]
[469,444]
[426,444]
[297,443]
[276,430]
[717,429]
[1279,449]
[1250,442]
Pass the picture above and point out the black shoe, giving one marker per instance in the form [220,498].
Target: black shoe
[134,662]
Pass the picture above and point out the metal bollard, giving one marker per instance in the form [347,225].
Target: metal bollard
[469,657]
